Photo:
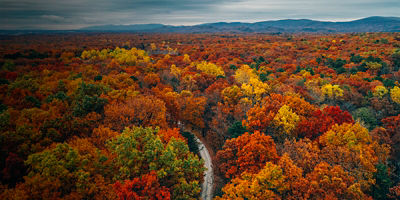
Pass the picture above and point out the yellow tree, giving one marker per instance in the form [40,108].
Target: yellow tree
[331,91]
[175,71]
[395,94]
[380,91]
[255,89]
[373,65]
[244,74]
[286,120]
[210,69]
[266,184]
[186,58]
[351,135]
[351,146]
[232,95]
[153,46]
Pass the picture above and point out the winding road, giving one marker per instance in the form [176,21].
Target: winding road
[206,188]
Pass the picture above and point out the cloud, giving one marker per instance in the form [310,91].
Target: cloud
[53,18]
[53,14]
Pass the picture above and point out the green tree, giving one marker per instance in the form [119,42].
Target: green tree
[236,129]
[192,143]
[87,99]
[366,115]
[64,172]
[140,150]
[396,59]
[381,187]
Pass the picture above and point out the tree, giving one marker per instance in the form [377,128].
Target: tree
[373,65]
[186,58]
[232,95]
[260,116]
[244,74]
[255,89]
[210,69]
[192,142]
[146,187]
[151,79]
[170,99]
[87,99]
[396,59]
[382,184]
[138,151]
[286,120]
[236,129]
[395,94]
[168,134]
[394,192]
[331,91]
[296,184]
[192,109]
[13,170]
[350,135]
[380,91]
[64,172]
[314,126]
[339,116]
[304,153]
[139,111]
[248,152]
[367,116]
[101,135]
[351,146]
[268,183]
[327,182]
[392,126]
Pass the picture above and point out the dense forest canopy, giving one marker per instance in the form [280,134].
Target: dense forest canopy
[289,116]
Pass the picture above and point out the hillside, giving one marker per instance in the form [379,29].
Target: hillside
[370,24]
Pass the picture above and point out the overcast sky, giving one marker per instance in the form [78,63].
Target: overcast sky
[72,14]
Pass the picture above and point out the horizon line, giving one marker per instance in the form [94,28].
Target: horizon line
[202,23]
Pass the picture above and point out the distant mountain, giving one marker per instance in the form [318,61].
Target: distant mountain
[134,27]
[370,24]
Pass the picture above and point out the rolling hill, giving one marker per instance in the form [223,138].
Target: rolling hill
[370,24]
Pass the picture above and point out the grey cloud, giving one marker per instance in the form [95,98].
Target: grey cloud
[69,14]
[53,18]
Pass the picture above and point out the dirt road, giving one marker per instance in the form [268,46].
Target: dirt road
[206,188]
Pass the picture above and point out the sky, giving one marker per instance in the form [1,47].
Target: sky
[74,14]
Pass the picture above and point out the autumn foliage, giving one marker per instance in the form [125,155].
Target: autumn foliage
[284,116]
[146,187]
[248,152]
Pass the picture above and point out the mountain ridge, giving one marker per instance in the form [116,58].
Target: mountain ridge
[369,24]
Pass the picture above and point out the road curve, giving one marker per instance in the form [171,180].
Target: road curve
[206,188]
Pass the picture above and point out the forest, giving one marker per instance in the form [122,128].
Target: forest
[284,116]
